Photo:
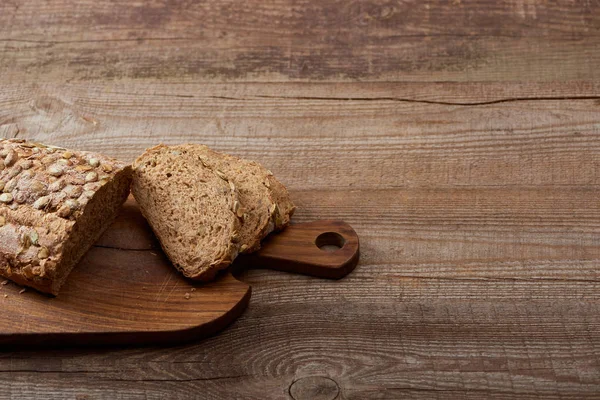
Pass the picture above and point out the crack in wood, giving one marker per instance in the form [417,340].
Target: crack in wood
[123,248]
[381,98]
[493,279]
[447,103]
[212,378]
[56,42]
[91,372]
[390,37]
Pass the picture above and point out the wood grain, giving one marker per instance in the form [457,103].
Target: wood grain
[377,141]
[459,138]
[333,40]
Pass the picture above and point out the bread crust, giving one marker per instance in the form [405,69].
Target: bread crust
[47,196]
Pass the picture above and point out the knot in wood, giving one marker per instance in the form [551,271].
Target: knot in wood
[314,388]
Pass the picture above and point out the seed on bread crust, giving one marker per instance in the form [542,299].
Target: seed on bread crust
[73,191]
[238,209]
[33,236]
[220,174]
[41,202]
[20,197]
[64,211]
[10,186]
[11,158]
[6,198]
[36,187]
[14,171]
[27,174]
[57,185]
[43,253]
[26,164]
[55,170]
[72,204]
[83,168]
[92,186]
[91,177]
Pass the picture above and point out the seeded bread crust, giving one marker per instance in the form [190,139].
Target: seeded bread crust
[267,205]
[54,204]
[194,212]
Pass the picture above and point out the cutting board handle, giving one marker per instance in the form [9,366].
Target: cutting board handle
[324,248]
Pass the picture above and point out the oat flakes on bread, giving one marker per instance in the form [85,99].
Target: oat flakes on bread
[54,204]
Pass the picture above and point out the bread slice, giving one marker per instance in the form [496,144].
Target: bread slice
[285,207]
[267,205]
[55,203]
[194,212]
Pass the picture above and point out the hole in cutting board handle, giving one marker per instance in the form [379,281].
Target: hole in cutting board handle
[301,248]
[330,241]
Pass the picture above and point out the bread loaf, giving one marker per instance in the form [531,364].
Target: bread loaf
[54,204]
[206,207]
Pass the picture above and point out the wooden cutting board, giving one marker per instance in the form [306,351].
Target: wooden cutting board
[125,291]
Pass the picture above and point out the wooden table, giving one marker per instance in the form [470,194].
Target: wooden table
[460,138]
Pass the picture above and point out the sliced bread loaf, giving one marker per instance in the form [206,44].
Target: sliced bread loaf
[55,203]
[267,205]
[194,212]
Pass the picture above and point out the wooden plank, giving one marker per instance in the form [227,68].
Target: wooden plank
[101,18]
[461,291]
[482,279]
[470,233]
[377,142]
[459,138]
[493,347]
[514,348]
[284,40]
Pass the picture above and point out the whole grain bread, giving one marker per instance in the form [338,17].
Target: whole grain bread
[54,204]
[267,204]
[195,212]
